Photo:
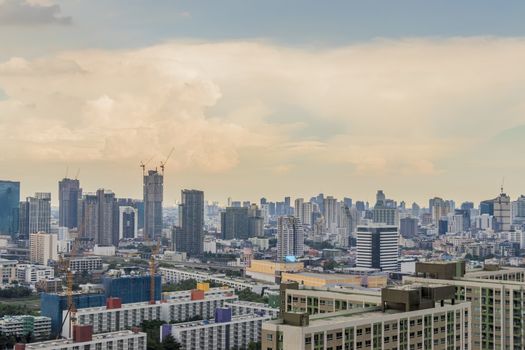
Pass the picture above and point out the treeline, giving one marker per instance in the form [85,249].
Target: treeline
[15,292]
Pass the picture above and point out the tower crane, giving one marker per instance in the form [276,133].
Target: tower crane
[154,251]
[163,164]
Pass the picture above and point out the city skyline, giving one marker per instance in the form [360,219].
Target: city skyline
[314,108]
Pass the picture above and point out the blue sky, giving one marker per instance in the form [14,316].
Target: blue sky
[344,97]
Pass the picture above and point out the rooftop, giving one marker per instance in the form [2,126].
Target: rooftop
[62,342]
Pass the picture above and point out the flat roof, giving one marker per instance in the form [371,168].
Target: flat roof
[61,342]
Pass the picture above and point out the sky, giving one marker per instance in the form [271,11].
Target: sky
[265,98]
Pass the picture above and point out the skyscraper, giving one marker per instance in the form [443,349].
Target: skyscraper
[330,213]
[191,223]
[69,194]
[88,216]
[153,196]
[106,214]
[234,223]
[377,247]
[128,222]
[385,210]
[408,227]
[290,237]
[9,206]
[35,215]
[502,213]
[43,247]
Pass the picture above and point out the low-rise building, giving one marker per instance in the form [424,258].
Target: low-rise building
[32,274]
[222,333]
[310,279]
[38,327]
[85,340]
[7,271]
[270,271]
[240,307]
[85,264]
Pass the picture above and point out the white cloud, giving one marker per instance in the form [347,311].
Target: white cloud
[31,12]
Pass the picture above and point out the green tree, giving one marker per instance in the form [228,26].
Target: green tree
[169,343]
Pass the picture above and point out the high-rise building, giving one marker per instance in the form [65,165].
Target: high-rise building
[35,215]
[330,213]
[128,222]
[9,207]
[43,247]
[303,210]
[69,194]
[385,210]
[235,223]
[408,227]
[88,216]
[377,247]
[106,231]
[153,196]
[191,222]
[502,213]
[290,237]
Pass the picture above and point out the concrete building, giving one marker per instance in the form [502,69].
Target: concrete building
[408,227]
[85,263]
[234,223]
[240,307]
[85,340]
[39,327]
[191,223]
[128,222]
[7,270]
[153,197]
[310,279]
[496,296]
[502,213]
[377,247]
[31,274]
[222,333]
[290,237]
[43,247]
[35,214]
[408,318]
[270,271]
[69,194]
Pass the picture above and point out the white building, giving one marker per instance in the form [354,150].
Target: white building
[260,243]
[234,332]
[290,237]
[32,274]
[122,340]
[19,326]
[178,307]
[210,245]
[43,247]
[240,307]
[377,247]
[85,263]
[104,250]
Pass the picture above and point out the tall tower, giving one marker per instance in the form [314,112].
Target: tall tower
[69,193]
[290,237]
[153,195]
[191,222]
[9,206]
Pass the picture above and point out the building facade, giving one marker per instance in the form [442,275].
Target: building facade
[377,247]
[191,223]
[43,247]
[69,194]
[290,237]
[153,196]
[38,327]
[9,207]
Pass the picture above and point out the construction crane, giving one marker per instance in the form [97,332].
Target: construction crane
[143,165]
[65,266]
[154,251]
[163,164]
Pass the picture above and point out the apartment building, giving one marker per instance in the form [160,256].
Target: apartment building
[85,263]
[240,307]
[222,333]
[7,271]
[116,316]
[497,296]
[20,326]
[32,274]
[409,318]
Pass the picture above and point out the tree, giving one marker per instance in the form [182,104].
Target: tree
[247,295]
[254,345]
[169,343]
[330,265]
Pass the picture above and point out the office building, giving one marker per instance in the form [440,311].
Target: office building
[38,327]
[191,223]
[97,213]
[83,338]
[131,289]
[377,247]
[235,223]
[330,213]
[408,227]
[496,295]
[384,210]
[223,332]
[290,237]
[153,197]
[128,222]
[43,247]
[69,194]
[88,216]
[35,215]
[408,318]
[9,207]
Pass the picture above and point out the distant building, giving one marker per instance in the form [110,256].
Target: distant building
[43,247]
[234,223]
[290,237]
[69,194]
[385,210]
[38,327]
[82,264]
[97,213]
[191,223]
[502,213]
[35,215]
[153,197]
[377,247]
[128,222]
[31,274]
[9,207]
[408,227]
[131,289]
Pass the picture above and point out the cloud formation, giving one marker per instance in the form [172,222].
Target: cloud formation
[385,110]
[31,13]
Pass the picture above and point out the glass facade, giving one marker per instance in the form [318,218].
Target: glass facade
[9,207]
